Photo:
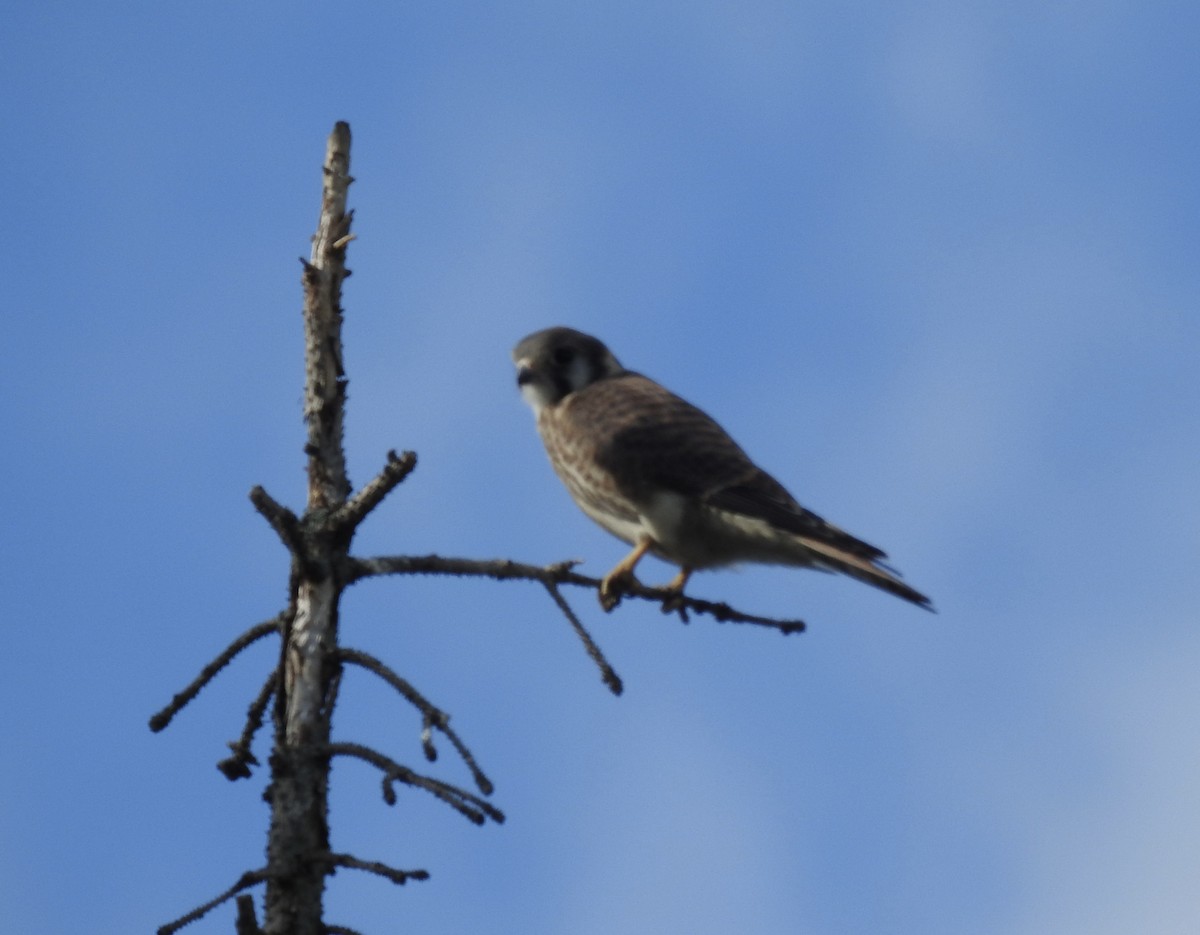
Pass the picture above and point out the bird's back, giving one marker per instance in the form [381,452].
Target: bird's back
[647,439]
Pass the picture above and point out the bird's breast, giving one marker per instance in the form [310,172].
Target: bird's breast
[573,455]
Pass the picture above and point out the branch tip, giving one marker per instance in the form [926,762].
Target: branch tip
[247,921]
[161,719]
[470,806]
[285,523]
[245,881]
[395,469]
[399,877]
[607,673]
[432,717]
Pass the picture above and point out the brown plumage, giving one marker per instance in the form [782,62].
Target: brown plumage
[661,474]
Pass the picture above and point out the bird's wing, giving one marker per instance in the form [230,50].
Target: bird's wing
[763,497]
[648,438]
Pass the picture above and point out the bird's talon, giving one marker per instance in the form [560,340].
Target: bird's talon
[614,587]
[675,602]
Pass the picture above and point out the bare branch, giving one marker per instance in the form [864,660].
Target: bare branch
[255,633]
[245,881]
[432,716]
[247,920]
[399,877]
[282,520]
[607,673]
[501,569]
[356,509]
[238,765]
[467,804]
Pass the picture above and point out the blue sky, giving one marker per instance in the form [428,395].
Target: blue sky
[933,265]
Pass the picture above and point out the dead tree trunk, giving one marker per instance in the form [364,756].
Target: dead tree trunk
[298,793]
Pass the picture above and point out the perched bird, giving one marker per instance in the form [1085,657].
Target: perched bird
[661,474]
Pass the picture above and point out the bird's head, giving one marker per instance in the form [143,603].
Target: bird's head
[554,363]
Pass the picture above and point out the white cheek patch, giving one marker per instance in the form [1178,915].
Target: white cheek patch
[535,394]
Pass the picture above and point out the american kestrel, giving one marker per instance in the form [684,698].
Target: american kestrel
[659,473]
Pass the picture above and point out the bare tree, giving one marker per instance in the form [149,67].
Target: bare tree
[304,684]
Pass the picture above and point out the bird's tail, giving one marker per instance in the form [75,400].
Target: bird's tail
[863,569]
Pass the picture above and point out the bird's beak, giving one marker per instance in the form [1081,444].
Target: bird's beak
[525,372]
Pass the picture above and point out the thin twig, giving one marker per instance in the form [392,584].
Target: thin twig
[282,520]
[356,569]
[245,881]
[247,919]
[351,513]
[238,765]
[255,633]
[432,716]
[399,877]
[462,801]
[607,672]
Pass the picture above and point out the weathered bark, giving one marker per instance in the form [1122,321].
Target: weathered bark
[298,839]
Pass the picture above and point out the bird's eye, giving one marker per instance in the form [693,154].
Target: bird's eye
[564,355]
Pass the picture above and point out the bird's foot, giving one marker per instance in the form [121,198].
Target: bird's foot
[674,601]
[616,584]
[620,581]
